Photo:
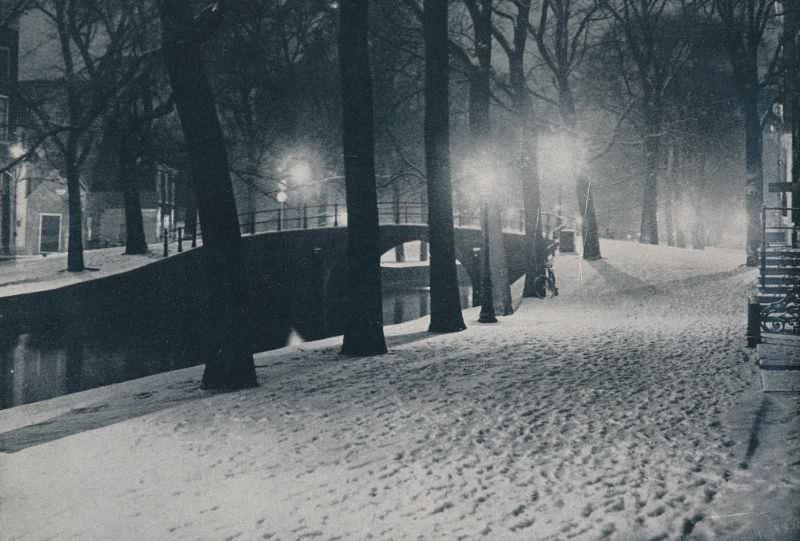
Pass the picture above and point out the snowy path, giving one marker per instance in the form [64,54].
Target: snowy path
[598,414]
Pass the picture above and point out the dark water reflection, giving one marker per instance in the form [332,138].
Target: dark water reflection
[49,361]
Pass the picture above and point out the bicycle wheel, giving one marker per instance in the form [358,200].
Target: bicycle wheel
[772,320]
[540,285]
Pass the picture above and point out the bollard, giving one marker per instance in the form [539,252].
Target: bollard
[166,242]
[194,237]
[476,285]
[336,215]
[180,239]
[753,321]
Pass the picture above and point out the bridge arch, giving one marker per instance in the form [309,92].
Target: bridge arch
[303,269]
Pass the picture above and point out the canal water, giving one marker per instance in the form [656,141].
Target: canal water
[46,362]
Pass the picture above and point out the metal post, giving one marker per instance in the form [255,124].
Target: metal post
[522,219]
[753,321]
[280,217]
[477,262]
[166,242]
[305,216]
[180,239]
[487,306]
[763,246]
[336,215]
[194,236]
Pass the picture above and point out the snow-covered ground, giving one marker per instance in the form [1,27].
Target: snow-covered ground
[627,408]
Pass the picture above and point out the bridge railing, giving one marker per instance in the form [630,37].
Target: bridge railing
[285,218]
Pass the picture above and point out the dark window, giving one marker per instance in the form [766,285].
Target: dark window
[5,64]
[4,118]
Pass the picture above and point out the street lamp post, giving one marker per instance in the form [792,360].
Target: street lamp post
[281,197]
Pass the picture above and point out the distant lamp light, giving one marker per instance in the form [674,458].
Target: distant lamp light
[17,151]
[281,197]
[300,172]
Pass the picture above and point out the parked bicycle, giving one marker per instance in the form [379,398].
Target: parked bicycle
[546,283]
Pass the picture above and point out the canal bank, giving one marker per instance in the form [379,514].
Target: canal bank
[104,327]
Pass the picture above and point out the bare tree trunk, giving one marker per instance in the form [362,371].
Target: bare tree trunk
[229,354]
[75,241]
[400,249]
[364,329]
[135,242]
[652,150]
[698,204]
[527,161]
[446,313]
[678,188]
[481,132]
[669,211]
[250,189]
[589,233]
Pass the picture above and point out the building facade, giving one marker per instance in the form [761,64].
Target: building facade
[9,55]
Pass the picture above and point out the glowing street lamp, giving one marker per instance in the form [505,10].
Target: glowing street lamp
[300,172]
[17,151]
[281,198]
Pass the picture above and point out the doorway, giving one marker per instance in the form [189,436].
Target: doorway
[49,233]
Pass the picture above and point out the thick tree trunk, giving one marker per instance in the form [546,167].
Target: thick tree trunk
[250,193]
[481,132]
[652,151]
[75,241]
[526,143]
[678,198]
[135,242]
[535,254]
[446,313]
[229,356]
[698,205]
[364,329]
[190,217]
[501,294]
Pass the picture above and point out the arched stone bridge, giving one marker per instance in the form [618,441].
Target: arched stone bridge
[304,269]
[294,257]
